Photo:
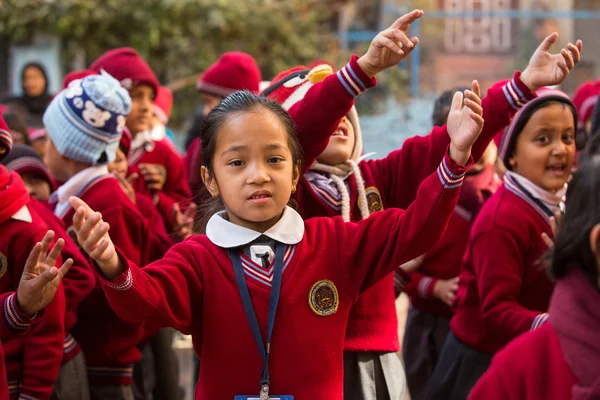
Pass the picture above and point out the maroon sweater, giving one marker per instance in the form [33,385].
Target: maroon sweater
[78,283]
[503,290]
[389,182]
[193,289]
[444,259]
[32,361]
[109,343]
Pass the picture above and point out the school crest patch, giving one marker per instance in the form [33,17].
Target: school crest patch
[373,199]
[323,298]
[3,265]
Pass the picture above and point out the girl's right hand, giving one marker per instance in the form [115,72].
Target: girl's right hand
[390,46]
[92,235]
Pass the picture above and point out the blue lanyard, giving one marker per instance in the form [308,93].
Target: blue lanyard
[249,308]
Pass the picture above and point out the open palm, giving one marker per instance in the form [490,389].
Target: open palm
[465,122]
[40,279]
[547,69]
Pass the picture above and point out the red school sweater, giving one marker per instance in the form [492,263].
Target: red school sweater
[109,343]
[176,188]
[389,183]
[78,283]
[531,367]
[32,361]
[503,290]
[444,259]
[193,289]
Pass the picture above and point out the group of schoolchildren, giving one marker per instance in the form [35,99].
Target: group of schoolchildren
[301,243]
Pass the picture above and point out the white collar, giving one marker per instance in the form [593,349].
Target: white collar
[77,181]
[289,230]
[23,215]
[551,199]
[142,139]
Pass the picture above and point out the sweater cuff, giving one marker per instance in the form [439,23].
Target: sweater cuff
[539,320]
[516,92]
[354,79]
[425,288]
[451,173]
[401,279]
[23,396]
[121,282]
[16,319]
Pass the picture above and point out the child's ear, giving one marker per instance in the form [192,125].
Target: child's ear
[209,181]
[295,177]
[512,162]
[595,244]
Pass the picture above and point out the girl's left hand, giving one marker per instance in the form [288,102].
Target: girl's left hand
[546,69]
[184,222]
[40,278]
[155,176]
[465,122]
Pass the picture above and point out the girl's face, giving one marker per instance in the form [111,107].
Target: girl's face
[37,187]
[253,171]
[340,146]
[140,117]
[119,166]
[545,147]
[34,83]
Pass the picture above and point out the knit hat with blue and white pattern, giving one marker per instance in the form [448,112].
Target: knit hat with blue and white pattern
[86,120]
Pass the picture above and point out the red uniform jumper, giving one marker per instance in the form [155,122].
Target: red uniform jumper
[391,182]
[194,290]
[109,344]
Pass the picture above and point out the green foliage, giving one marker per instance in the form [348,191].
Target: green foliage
[179,38]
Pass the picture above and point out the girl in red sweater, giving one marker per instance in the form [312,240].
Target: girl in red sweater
[313,270]
[561,360]
[503,291]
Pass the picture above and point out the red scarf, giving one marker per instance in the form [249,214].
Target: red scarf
[13,194]
[575,317]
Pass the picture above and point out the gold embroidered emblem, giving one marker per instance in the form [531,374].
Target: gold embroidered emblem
[323,298]
[373,199]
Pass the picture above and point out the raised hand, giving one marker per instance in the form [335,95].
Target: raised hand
[155,176]
[390,46]
[465,122]
[184,222]
[40,278]
[546,69]
[92,235]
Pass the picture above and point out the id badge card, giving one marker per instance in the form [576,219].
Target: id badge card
[274,397]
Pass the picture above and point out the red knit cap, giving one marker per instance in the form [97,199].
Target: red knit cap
[163,104]
[126,66]
[232,72]
[5,138]
[72,76]
[585,99]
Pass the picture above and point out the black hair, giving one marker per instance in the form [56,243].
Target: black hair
[441,107]
[540,103]
[572,242]
[16,122]
[596,119]
[232,105]
[40,68]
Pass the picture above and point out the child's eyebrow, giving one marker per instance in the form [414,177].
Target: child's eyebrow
[274,146]
[235,148]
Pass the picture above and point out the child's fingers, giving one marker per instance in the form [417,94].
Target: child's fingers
[474,107]
[457,102]
[190,213]
[76,202]
[176,213]
[563,67]
[548,42]
[43,279]
[32,260]
[404,21]
[88,226]
[79,218]
[46,241]
[547,240]
[476,89]
[99,250]
[575,52]
[388,43]
[96,236]
[131,178]
[399,37]
[579,45]
[62,271]
[568,58]
[55,252]
[477,118]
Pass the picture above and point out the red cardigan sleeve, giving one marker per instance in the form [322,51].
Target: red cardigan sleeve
[162,292]
[493,385]
[43,351]
[372,248]
[499,281]
[403,170]
[14,321]
[318,114]
[421,285]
